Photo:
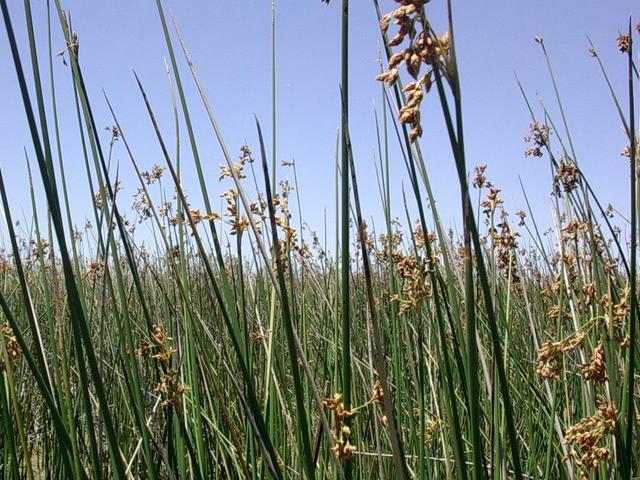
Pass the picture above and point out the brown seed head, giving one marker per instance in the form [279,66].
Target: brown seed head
[624,42]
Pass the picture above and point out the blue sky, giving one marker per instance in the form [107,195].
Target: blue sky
[231,48]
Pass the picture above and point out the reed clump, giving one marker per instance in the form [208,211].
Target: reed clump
[162,338]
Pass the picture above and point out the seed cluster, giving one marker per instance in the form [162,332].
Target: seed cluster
[539,138]
[159,349]
[424,48]
[566,177]
[412,269]
[171,388]
[595,370]
[343,447]
[624,42]
[588,438]
[550,355]
[13,349]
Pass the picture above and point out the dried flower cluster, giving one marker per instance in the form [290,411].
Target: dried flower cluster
[171,388]
[595,370]
[505,242]
[239,223]
[98,199]
[424,47]
[238,168]
[283,220]
[13,349]
[153,175]
[73,46]
[431,428]
[616,312]
[479,178]
[94,270]
[39,249]
[421,241]
[624,42]
[539,138]
[550,356]
[142,205]
[378,393]
[626,151]
[115,134]
[258,336]
[574,229]
[413,272]
[493,200]
[342,448]
[567,175]
[160,350]
[588,438]
[196,216]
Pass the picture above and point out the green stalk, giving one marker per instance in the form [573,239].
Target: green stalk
[273,95]
[388,399]
[12,398]
[457,144]
[288,323]
[346,259]
[201,178]
[81,331]
[254,415]
[631,362]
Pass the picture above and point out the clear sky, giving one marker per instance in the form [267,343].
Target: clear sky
[231,47]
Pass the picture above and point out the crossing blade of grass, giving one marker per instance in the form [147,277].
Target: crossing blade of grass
[379,352]
[81,332]
[296,341]
[10,398]
[457,143]
[56,128]
[10,464]
[345,269]
[58,421]
[471,363]
[442,287]
[38,86]
[482,275]
[128,346]
[614,96]
[303,423]
[630,382]
[273,96]
[192,142]
[257,423]
[24,288]
[114,214]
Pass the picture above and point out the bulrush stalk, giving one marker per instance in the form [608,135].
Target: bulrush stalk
[345,269]
[630,383]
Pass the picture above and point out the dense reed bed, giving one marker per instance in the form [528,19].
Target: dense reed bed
[236,344]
